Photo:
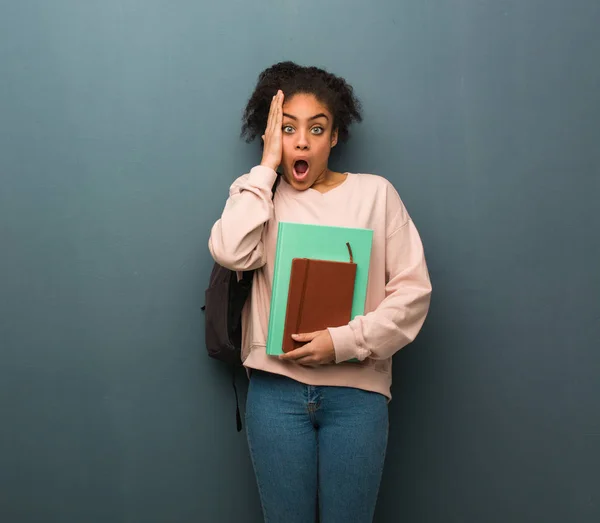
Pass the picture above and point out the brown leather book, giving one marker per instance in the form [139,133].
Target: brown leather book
[320,296]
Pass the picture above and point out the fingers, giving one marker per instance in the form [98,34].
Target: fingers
[272,138]
[279,113]
[306,351]
[268,130]
[275,112]
[271,113]
[306,336]
[307,356]
[296,354]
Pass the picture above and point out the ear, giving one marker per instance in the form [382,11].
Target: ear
[334,138]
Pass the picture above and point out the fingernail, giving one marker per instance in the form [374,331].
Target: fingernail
[295,335]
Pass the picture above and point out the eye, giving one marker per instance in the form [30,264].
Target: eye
[288,129]
[317,130]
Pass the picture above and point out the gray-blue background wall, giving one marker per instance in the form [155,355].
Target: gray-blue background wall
[119,124]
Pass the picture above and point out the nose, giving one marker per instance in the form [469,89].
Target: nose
[302,143]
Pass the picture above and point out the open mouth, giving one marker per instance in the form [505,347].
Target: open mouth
[301,168]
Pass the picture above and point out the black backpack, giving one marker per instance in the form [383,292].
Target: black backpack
[225,298]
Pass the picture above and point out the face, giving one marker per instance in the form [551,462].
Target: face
[308,137]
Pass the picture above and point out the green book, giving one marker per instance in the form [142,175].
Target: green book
[320,242]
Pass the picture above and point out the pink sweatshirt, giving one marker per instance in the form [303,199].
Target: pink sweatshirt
[398,291]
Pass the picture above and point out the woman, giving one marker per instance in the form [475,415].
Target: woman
[317,424]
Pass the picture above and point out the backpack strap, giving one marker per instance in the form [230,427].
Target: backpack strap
[277,180]
[238,417]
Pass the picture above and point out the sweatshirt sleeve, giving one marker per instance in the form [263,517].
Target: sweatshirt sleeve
[399,317]
[236,238]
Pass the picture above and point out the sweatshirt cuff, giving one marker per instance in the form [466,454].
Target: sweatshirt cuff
[261,176]
[344,344]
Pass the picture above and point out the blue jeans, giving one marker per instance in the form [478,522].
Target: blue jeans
[306,440]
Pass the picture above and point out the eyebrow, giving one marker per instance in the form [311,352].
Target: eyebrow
[320,115]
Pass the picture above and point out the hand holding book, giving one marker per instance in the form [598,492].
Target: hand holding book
[317,351]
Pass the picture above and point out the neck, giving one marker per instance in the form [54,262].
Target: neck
[324,178]
[328,180]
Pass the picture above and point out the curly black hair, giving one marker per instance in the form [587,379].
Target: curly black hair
[332,91]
